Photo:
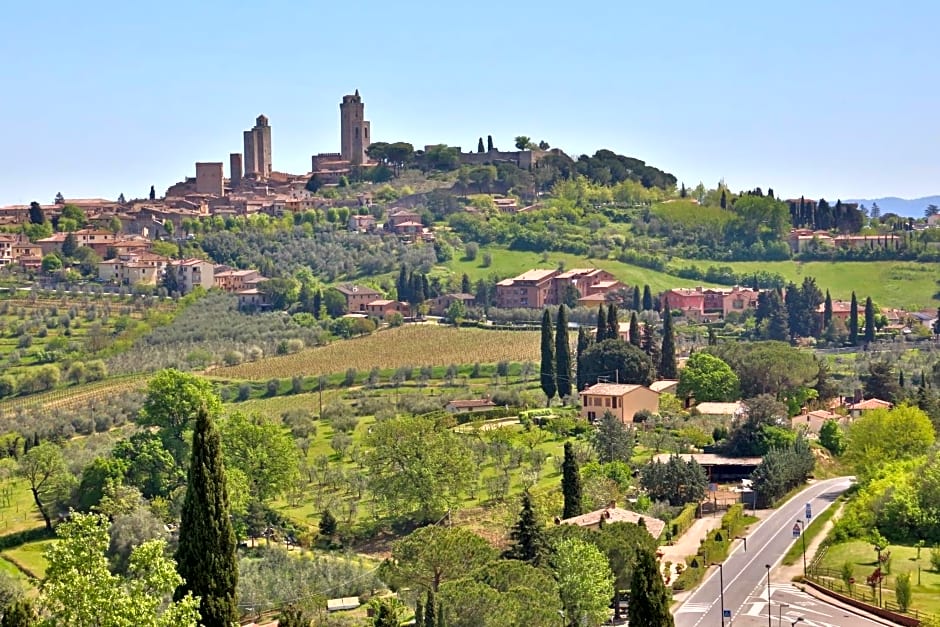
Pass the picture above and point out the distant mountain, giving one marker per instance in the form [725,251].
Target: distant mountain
[913,208]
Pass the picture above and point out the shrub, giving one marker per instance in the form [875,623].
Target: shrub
[232,358]
[244,392]
[935,559]
[273,387]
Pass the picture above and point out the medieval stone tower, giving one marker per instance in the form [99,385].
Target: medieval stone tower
[354,130]
[258,149]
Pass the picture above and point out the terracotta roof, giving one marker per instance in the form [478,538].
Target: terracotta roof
[610,389]
[871,403]
[609,515]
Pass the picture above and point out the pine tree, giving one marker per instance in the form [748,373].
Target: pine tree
[853,321]
[869,321]
[647,298]
[528,539]
[613,323]
[649,600]
[667,358]
[636,298]
[547,371]
[327,525]
[634,329]
[562,355]
[430,610]
[480,145]
[827,311]
[206,557]
[584,341]
[601,325]
[571,484]
[36,214]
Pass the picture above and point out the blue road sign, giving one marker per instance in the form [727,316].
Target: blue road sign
[809,511]
[796,530]
[726,613]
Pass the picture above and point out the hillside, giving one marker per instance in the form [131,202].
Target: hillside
[908,207]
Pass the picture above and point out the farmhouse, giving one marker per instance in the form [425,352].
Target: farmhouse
[383,308]
[622,400]
[440,305]
[357,296]
[614,514]
[812,422]
[856,409]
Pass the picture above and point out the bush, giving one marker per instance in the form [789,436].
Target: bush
[681,523]
[273,387]
[935,559]
[233,358]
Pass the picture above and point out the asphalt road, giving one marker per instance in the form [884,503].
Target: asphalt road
[745,576]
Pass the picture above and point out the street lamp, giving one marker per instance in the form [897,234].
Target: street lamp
[769,606]
[780,612]
[802,525]
[721,591]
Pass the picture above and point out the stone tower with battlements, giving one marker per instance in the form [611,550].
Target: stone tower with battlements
[355,136]
[257,157]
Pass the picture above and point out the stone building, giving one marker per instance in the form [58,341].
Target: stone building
[209,178]
[355,135]
[257,156]
[235,169]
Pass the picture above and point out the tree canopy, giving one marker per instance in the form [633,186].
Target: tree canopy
[432,555]
[616,360]
[707,378]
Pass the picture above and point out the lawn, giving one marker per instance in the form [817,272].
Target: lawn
[862,556]
[409,345]
[508,263]
[28,557]
[907,285]
[17,508]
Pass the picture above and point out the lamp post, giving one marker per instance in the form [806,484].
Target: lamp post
[721,590]
[780,613]
[769,607]
[802,525]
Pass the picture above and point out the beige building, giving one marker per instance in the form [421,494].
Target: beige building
[621,399]
[133,269]
[812,422]
[614,514]
[257,156]
[237,280]
[192,273]
[530,289]
[209,178]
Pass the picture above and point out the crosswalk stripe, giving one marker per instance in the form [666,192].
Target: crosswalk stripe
[690,608]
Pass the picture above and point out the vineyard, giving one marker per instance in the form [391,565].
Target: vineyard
[68,398]
[410,345]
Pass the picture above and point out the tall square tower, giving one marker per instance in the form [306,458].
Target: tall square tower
[355,135]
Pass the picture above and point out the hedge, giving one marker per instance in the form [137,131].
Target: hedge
[681,523]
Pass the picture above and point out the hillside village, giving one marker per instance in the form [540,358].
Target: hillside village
[448,387]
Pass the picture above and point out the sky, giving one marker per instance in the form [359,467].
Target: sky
[833,99]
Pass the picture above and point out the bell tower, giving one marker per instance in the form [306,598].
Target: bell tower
[355,132]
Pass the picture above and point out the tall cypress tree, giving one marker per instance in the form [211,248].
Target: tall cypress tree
[649,601]
[647,298]
[528,539]
[547,372]
[317,304]
[465,286]
[206,557]
[571,483]
[667,359]
[562,355]
[601,325]
[480,145]
[584,341]
[853,321]
[613,322]
[869,321]
[636,298]
[827,311]
[634,329]
[489,143]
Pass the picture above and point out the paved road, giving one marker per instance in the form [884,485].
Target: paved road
[745,576]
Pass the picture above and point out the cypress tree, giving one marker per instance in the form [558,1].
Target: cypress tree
[206,557]
[667,359]
[153,193]
[402,284]
[562,355]
[419,613]
[528,540]
[489,143]
[317,303]
[571,483]
[901,378]
[634,329]
[547,371]
[869,321]
[853,321]
[636,298]
[827,311]
[613,323]
[601,325]
[430,610]
[480,145]
[649,601]
[647,298]
[724,200]
[465,284]
[584,341]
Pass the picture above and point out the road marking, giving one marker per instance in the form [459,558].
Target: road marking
[690,608]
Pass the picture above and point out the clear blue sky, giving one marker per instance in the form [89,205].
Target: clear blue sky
[837,99]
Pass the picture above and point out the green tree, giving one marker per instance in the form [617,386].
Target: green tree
[489,144]
[827,311]
[903,591]
[832,437]
[676,481]
[853,321]
[708,379]
[172,401]
[36,214]
[528,539]
[334,302]
[768,367]
[667,358]
[294,616]
[263,451]
[19,613]
[69,245]
[903,432]
[522,142]
[622,542]
[45,471]
[418,465]
[79,589]
[430,610]
[616,360]
[637,301]
[571,484]
[562,354]
[547,370]
[585,582]
[647,298]
[51,263]
[150,467]
[612,440]
[584,340]
[634,330]
[432,555]
[869,321]
[613,322]
[649,600]
[389,613]
[601,325]
[206,553]
[480,147]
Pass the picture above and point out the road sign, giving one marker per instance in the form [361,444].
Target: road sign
[726,613]
[796,530]
[809,511]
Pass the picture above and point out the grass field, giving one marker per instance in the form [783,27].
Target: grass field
[862,556]
[410,345]
[28,557]
[508,263]
[906,285]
